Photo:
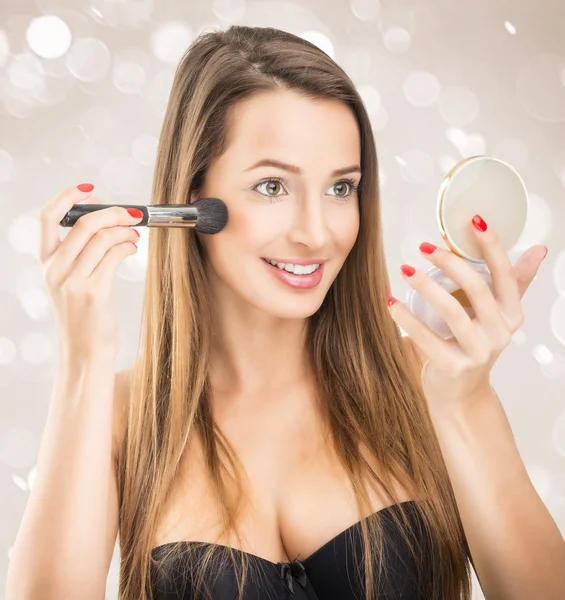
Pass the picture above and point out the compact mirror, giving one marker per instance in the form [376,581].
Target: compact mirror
[486,186]
[479,185]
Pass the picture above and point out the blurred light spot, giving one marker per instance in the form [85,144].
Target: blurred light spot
[396,16]
[144,149]
[7,351]
[366,10]
[88,59]
[383,177]
[18,447]
[519,337]
[371,98]
[31,478]
[25,72]
[558,434]
[132,14]
[35,303]
[513,151]
[158,90]
[540,90]
[557,160]
[170,41]
[457,137]
[538,224]
[421,88]
[95,12]
[128,77]
[559,273]
[542,354]
[36,349]
[409,251]
[458,106]
[446,163]
[6,166]
[320,40]
[555,369]
[48,36]
[475,144]
[510,28]
[229,10]
[557,319]
[31,291]
[379,119]
[397,40]
[21,483]
[23,233]
[133,267]
[416,166]
[4,47]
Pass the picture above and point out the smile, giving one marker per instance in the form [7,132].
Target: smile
[296,269]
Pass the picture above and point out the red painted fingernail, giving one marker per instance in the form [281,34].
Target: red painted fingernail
[136,232]
[407,270]
[427,248]
[85,187]
[545,253]
[479,223]
[135,212]
[391,300]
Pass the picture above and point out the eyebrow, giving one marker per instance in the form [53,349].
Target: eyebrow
[269,162]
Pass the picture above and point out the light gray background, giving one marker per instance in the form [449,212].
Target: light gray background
[442,80]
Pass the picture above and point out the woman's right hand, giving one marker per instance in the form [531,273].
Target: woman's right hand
[79,273]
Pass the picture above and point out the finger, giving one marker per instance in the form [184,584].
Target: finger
[504,283]
[435,348]
[107,226]
[448,307]
[51,215]
[486,308]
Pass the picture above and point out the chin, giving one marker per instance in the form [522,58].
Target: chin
[297,308]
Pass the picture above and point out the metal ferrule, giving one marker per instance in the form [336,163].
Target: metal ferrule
[172,215]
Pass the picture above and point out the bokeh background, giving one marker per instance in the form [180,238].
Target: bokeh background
[83,90]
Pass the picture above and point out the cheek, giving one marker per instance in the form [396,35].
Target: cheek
[346,230]
[247,234]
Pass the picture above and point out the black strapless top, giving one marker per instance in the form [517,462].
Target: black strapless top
[330,573]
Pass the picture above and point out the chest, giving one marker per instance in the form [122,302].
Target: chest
[299,495]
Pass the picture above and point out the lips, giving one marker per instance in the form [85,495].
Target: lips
[296,281]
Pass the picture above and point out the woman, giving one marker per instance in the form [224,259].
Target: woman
[281,370]
[281,420]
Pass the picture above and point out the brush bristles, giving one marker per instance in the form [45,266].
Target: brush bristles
[212,215]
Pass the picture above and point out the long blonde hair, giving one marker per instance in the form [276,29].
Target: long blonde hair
[369,393]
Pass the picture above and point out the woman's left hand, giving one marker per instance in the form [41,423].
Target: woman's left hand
[458,369]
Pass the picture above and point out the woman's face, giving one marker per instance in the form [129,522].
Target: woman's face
[275,213]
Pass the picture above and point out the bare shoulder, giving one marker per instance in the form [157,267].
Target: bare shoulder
[120,409]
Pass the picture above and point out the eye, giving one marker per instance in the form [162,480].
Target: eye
[347,187]
[272,184]
[343,185]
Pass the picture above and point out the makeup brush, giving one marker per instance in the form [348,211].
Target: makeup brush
[205,215]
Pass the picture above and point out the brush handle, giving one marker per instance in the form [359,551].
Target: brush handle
[79,210]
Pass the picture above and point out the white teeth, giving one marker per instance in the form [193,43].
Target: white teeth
[296,269]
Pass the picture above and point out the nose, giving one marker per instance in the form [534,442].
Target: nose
[309,226]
